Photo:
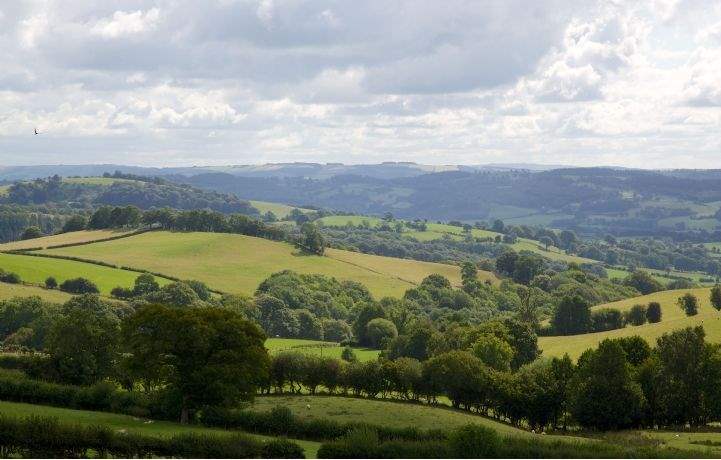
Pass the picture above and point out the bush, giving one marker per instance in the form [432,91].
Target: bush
[51,283]
[653,312]
[79,286]
[120,292]
[9,277]
[474,441]
[637,315]
[282,448]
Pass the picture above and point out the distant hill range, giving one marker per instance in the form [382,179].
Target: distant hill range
[592,201]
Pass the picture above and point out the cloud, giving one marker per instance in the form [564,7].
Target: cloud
[124,24]
[460,81]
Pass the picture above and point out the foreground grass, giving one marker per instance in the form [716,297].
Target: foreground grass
[126,422]
[673,318]
[238,263]
[63,238]
[317,347]
[37,269]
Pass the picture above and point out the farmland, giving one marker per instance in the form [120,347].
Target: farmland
[673,318]
[237,263]
[318,348]
[8,291]
[37,269]
[281,211]
[84,236]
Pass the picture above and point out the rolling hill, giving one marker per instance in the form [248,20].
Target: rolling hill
[84,236]
[36,270]
[673,318]
[238,263]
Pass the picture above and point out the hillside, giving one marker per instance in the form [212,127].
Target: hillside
[436,231]
[37,269]
[84,236]
[238,263]
[8,291]
[672,318]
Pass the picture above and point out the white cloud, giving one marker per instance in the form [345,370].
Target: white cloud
[124,24]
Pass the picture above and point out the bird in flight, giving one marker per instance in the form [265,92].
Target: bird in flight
[36,131]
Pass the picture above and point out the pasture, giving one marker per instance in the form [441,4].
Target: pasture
[128,423]
[84,236]
[238,263]
[383,412]
[318,348]
[37,269]
[673,318]
[280,210]
[8,291]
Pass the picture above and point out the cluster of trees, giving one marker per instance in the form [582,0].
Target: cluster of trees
[623,383]
[218,359]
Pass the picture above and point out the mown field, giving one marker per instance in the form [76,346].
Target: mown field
[238,263]
[128,423]
[673,318]
[8,291]
[84,236]
[317,347]
[37,269]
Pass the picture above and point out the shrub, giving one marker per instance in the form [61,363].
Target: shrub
[79,286]
[474,441]
[9,277]
[51,283]
[120,292]
[653,312]
[282,448]
[637,315]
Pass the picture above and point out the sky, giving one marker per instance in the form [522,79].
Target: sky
[183,82]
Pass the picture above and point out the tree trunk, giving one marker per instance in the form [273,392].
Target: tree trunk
[184,413]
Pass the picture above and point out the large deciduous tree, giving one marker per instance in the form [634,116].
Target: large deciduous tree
[202,356]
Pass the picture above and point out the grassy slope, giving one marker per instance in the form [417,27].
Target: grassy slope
[280,210]
[36,269]
[317,347]
[8,291]
[672,318]
[380,412]
[125,422]
[62,238]
[237,263]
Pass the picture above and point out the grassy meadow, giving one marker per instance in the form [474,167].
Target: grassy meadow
[673,318]
[280,210]
[8,291]
[128,423]
[317,347]
[238,263]
[84,236]
[37,269]
[377,412]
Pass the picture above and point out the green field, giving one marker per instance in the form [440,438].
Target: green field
[95,180]
[84,236]
[36,269]
[8,291]
[238,263]
[317,347]
[128,423]
[383,412]
[341,221]
[673,318]
[281,211]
